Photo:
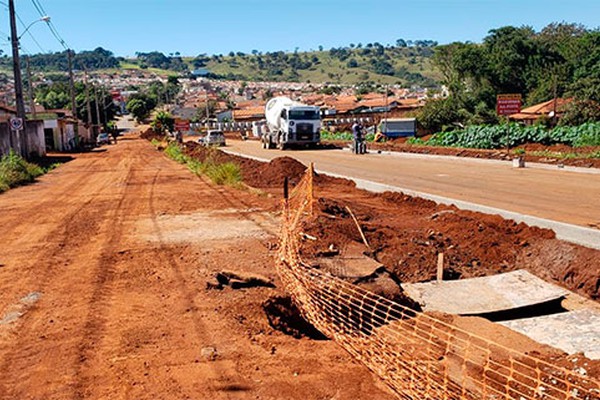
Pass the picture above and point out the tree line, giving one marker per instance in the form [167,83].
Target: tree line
[561,60]
[98,58]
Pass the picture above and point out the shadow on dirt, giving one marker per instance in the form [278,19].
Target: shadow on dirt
[284,316]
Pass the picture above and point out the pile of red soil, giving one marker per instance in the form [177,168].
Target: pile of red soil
[407,233]
[260,174]
[146,132]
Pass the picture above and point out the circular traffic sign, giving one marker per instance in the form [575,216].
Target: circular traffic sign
[16,124]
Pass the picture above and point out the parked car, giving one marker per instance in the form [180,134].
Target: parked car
[102,138]
[213,138]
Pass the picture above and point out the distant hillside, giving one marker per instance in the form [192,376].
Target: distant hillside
[405,64]
[345,65]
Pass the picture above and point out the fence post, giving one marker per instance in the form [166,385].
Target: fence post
[311,171]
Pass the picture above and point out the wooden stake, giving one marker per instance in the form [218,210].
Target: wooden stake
[440,267]
[359,228]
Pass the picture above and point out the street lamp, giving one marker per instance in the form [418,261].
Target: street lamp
[45,18]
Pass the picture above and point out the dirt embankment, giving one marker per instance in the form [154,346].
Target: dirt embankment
[406,233]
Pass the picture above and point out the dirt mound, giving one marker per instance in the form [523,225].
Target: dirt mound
[406,234]
[146,132]
[273,174]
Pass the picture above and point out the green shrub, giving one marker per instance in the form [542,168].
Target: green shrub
[344,136]
[15,171]
[219,173]
[224,174]
[174,152]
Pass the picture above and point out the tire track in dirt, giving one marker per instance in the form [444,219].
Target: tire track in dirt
[55,252]
[59,196]
[62,252]
[103,277]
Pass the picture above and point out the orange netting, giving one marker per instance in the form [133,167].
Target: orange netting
[416,355]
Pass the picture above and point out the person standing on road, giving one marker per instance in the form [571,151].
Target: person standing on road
[357,135]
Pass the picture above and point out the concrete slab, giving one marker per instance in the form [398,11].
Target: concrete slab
[484,295]
[350,264]
[573,331]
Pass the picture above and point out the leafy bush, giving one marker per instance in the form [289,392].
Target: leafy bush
[511,135]
[163,121]
[15,171]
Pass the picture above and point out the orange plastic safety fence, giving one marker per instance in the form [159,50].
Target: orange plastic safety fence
[417,355]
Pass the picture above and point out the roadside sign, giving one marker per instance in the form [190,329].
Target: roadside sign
[182,125]
[507,104]
[16,124]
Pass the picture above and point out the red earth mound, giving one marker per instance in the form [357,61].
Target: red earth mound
[406,233]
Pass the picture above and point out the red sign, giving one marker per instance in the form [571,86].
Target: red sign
[507,104]
[116,95]
[182,125]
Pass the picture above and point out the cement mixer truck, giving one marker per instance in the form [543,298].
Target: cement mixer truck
[290,123]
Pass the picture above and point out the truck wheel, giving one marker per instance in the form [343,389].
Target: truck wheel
[280,144]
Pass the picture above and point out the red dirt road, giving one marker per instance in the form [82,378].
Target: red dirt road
[103,290]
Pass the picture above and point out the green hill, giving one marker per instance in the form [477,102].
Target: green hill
[345,65]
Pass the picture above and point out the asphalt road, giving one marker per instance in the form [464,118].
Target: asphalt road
[559,195]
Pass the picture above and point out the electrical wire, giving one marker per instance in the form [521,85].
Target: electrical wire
[40,9]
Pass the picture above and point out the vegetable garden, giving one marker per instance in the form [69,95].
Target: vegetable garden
[511,135]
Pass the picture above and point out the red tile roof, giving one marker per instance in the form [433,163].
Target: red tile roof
[249,113]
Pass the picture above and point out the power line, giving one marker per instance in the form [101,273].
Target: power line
[23,24]
[40,9]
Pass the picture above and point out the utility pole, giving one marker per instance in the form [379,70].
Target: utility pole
[386,109]
[72,84]
[17,73]
[30,87]
[97,106]
[16,61]
[88,107]
[104,107]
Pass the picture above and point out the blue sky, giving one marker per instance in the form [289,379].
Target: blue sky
[192,27]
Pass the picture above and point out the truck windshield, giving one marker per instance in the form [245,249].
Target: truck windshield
[304,114]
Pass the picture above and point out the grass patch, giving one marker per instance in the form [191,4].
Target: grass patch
[219,173]
[15,171]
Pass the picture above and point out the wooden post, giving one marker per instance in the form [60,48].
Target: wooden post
[362,235]
[440,267]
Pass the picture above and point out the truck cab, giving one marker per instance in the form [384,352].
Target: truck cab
[291,123]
